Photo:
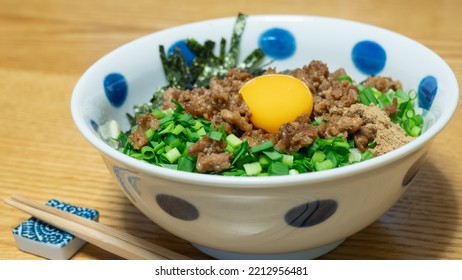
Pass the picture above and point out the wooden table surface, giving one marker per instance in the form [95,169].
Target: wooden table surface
[46,45]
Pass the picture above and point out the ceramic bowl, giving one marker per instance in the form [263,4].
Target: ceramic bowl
[301,216]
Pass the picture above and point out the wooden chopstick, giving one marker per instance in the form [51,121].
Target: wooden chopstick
[110,239]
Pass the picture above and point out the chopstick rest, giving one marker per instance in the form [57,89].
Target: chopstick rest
[39,238]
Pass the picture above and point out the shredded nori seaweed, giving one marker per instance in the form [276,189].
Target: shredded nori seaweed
[204,66]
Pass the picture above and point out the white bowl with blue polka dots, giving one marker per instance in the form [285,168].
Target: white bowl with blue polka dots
[300,216]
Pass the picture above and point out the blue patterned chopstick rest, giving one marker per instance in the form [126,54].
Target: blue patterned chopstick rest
[39,238]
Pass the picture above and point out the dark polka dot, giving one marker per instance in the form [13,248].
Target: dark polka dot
[412,172]
[116,89]
[427,90]
[177,207]
[311,213]
[94,125]
[188,55]
[277,43]
[369,57]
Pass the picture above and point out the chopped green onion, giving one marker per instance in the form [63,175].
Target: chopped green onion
[159,146]
[197,125]
[173,155]
[415,131]
[334,158]
[186,163]
[169,166]
[233,140]
[340,145]
[158,113]
[323,165]
[273,155]
[383,101]
[412,94]
[354,156]
[148,152]
[400,94]
[318,156]
[178,129]
[410,113]
[149,133]
[293,172]
[278,168]
[176,143]
[370,95]
[136,155]
[240,152]
[201,132]
[166,119]
[418,119]
[178,109]
[264,161]
[261,147]
[238,172]
[168,129]
[215,135]
[366,155]
[252,169]
[363,98]
[345,78]
[190,135]
[287,160]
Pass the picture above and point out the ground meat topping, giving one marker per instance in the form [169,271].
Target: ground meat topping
[327,90]
[336,113]
[337,124]
[259,136]
[138,137]
[210,155]
[392,109]
[220,103]
[363,137]
[383,84]
[366,124]
[297,134]
[235,119]
[335,103]
[206,145]
[214,162]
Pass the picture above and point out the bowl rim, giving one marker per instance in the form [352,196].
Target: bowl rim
[219,181]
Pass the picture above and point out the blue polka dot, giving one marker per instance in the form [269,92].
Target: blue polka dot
[311,213]
[116,89]
[369,57]
[277,43]
[188,55]
[428,88]
[94,125]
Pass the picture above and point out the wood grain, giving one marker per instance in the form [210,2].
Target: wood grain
[46,45]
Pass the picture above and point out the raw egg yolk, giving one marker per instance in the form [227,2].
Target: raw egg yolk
[276,99]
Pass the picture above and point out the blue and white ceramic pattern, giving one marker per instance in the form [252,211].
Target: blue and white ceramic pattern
[40,238]
[300,216]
